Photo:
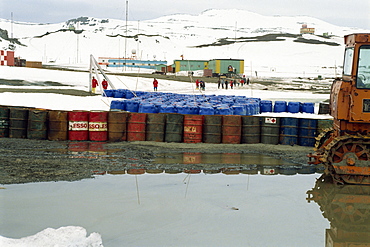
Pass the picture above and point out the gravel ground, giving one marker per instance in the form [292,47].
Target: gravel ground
[25,160]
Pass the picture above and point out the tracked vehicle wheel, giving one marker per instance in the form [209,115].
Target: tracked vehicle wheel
[348,160]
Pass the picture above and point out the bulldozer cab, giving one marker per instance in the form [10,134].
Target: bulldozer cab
[356,66]
[353,93]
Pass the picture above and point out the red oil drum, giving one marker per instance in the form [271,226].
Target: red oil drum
[78,125]
[98,126]
[58,125]
[231,129]
[136,127]
[193,126]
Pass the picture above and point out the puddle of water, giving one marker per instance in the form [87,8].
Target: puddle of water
[218,158]
[171,210]
[189,162]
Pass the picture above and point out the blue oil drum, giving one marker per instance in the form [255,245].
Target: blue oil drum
[280,106]
[266,106]
[308,107]
[256,109]
[293,107]
[140,93]
[239,110]
[167,109]
[289,131]
[129,94]
[119,93]
[249,109]
[307,132]
[132,106]
[147,108]
[183,109]
[109,93]
[193,109]
[118,104]
[224,111]
[206,110]
[228,101]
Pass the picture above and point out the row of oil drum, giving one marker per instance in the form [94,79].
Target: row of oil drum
[243,169]
[162,102]
[166,127]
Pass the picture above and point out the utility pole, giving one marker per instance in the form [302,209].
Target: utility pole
[126,36]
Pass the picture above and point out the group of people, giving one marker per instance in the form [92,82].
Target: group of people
[200,84]
[94,84]
[225,83]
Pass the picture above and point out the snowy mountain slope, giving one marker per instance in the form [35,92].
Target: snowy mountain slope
[266,43]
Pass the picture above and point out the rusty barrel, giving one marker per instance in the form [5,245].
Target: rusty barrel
[4,121]
[117,126]
[57,125]
[251,129]
[174,127]
[98,126]
[136,126]
[231,129]
[212,128]
[270,130]
[37,124]
[18,120]
[193,128]
[78,125]
[155,126]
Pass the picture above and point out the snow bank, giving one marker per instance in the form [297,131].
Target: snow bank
[63,236]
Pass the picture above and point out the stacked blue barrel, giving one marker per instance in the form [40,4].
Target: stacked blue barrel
[283,106]
[158,102]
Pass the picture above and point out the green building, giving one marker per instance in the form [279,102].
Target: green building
[226,66]
[190,65]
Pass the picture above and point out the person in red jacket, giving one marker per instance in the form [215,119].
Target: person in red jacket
[155,84]
[104,83]
[197,82]
[94,84]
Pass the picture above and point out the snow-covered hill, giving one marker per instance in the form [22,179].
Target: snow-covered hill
[268,44]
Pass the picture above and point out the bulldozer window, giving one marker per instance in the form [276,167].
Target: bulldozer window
[348,60]
[363,71]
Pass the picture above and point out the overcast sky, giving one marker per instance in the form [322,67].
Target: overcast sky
[349,13]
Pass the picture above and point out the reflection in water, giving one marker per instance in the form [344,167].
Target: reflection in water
[218,158]
[348,210]
[189,162]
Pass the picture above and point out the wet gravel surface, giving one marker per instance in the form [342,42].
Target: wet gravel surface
[25,160]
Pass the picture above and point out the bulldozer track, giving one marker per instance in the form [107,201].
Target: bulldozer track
[336,150]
